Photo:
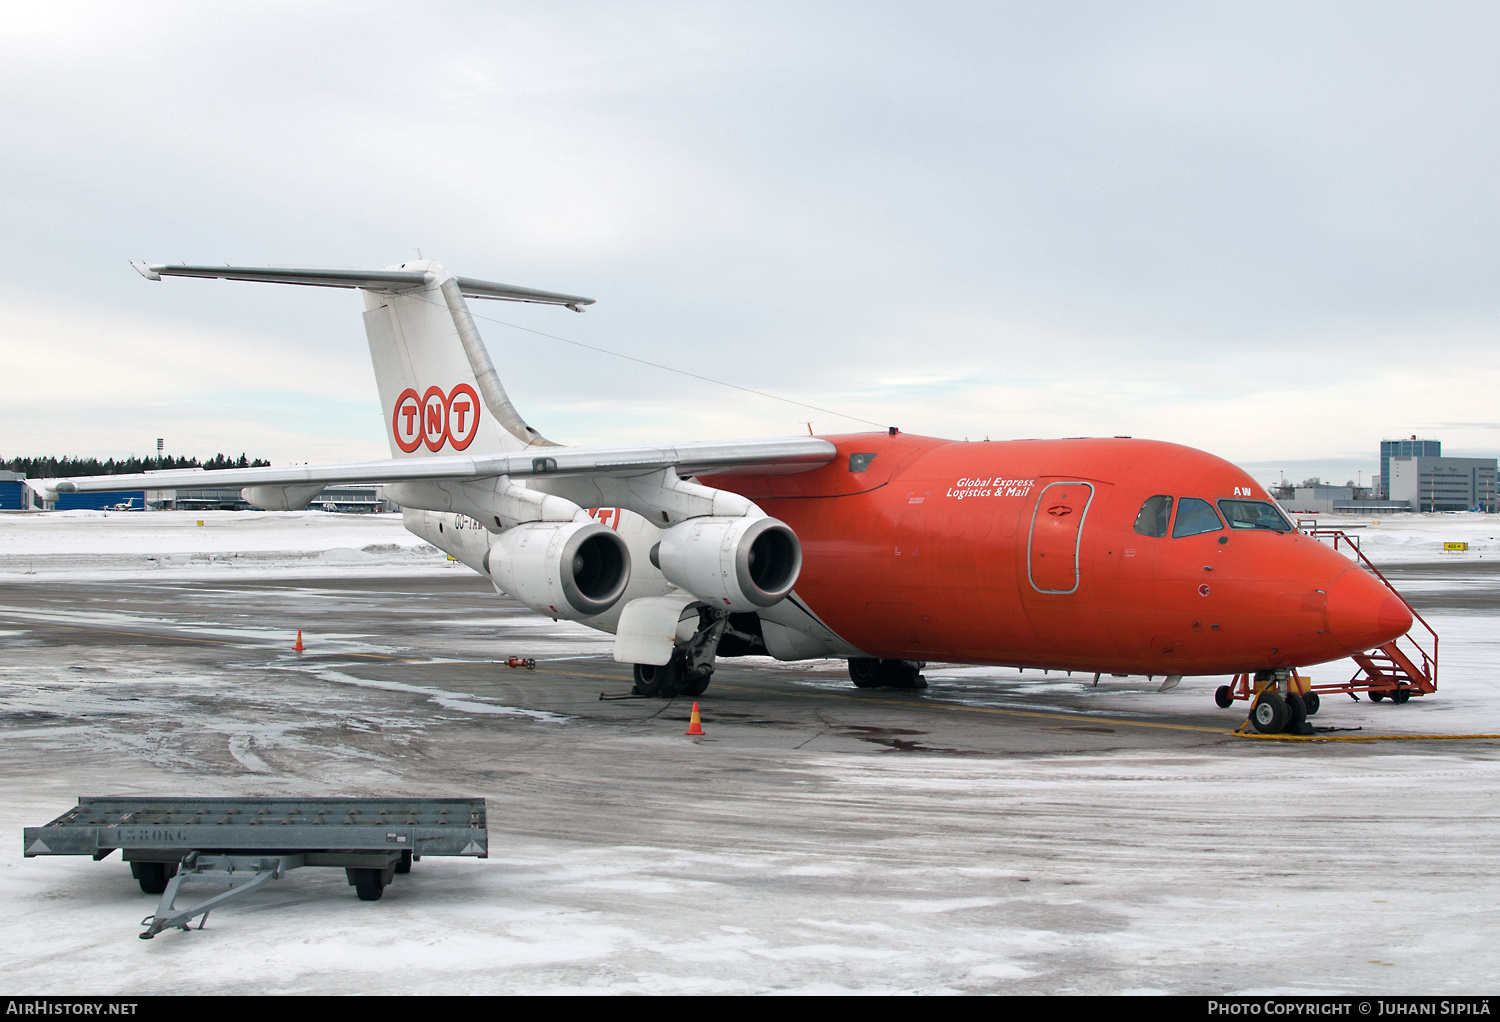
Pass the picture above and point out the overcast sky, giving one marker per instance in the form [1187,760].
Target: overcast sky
[1270,231]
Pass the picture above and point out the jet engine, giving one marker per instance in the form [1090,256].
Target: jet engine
[567,570]
[738,564]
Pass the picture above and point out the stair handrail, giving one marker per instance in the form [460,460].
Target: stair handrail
[1429,665]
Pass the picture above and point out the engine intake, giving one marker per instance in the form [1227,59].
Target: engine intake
[567,570]
[739,564]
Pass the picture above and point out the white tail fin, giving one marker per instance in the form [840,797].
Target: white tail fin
[439,392]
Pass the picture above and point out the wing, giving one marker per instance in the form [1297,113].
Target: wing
[726,457]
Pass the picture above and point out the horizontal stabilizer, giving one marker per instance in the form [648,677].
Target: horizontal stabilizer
[772,455]
[388,281]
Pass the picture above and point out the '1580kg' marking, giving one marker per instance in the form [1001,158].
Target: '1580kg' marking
[138,835]
[990,488]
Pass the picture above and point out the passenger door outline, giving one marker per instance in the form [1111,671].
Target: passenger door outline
[1042,505]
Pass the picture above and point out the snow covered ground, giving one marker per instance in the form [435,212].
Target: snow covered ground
[1414,538]
[1000,832]
[120,544]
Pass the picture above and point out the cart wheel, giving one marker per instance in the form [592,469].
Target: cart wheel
[1313,702]
[404,865]
[1375,697]
[1269,715]
[367,884]
[1224,697]
[153,876]
[1296,710]
[1401,695]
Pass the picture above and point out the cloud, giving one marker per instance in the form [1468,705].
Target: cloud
[1264,230]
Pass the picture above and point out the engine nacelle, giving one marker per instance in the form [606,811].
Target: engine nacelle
[562,569]
[739,564]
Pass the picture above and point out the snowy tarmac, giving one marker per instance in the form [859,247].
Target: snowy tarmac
[999,832]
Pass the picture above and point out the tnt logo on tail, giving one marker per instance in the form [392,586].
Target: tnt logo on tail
[435,418]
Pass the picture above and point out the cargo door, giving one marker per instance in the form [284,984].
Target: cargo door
[1056,528]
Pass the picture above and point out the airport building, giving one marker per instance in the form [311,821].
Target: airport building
[16,496]
[1340,499]
[1411,447]
[13,492]
[1442,484]
[353,497]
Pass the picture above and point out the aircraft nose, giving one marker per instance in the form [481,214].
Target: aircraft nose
[1362,613]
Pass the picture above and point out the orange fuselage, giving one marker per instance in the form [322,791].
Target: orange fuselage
[1026,553]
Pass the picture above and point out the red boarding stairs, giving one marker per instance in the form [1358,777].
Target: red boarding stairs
[1400,669]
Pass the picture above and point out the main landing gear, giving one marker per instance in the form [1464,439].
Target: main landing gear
[867,672]
[673,678]
[692,663]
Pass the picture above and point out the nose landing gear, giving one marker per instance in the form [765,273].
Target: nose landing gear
[1273,713]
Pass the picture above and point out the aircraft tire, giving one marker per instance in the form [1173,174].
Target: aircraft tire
[1297,710]
[1224,697]
[1401,695]
[865,672]
[909,673]
[1269,715]
[651,680]
[1313,703]
[892,674]
[367,884]
[695,685]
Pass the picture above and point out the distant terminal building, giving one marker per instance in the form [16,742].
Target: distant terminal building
[1443,484]
[352,497]
[1411,447]
[15,495]
[1336,499]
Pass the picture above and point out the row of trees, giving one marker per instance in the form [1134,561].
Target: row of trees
[62,468]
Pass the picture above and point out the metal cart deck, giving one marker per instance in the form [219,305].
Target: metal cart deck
[244,843]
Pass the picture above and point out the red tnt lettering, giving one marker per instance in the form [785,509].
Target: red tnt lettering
[461,409]
[404,421]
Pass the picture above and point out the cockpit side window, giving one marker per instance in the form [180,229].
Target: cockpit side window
[1253,514]
[1155,513]
[1195,517]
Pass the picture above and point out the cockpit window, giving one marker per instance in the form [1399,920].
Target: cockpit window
[1155,513]
[1195,517]
[1253,514]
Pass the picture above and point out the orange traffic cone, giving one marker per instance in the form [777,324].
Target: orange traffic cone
[695,726]
[298,647]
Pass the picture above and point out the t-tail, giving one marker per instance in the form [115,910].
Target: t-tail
[439,391]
